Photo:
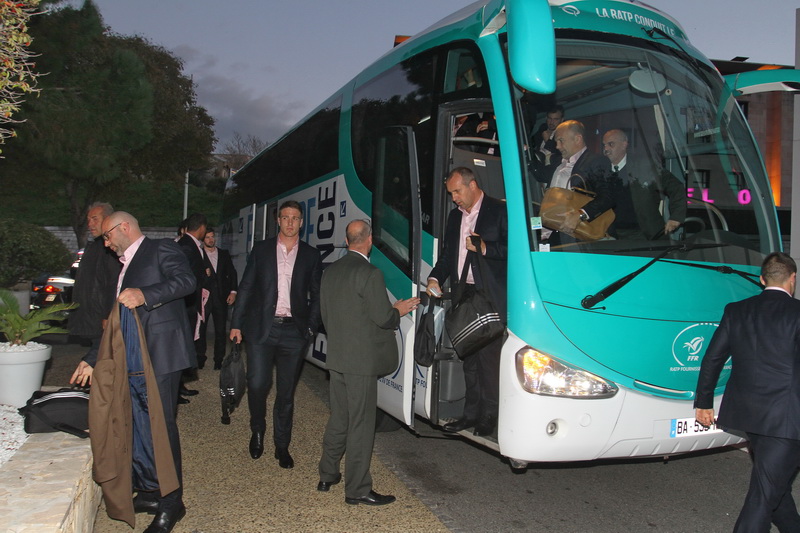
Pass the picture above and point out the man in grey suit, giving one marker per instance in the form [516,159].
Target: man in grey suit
[360,323]
[761,336]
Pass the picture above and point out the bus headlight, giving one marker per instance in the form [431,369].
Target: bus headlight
[538,373]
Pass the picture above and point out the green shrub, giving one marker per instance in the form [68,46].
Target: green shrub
[27,250]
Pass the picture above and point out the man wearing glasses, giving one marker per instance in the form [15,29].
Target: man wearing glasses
[277,314]
[155,278]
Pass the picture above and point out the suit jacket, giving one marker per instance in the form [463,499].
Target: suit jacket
[358,317]
[492,226]
[160,269]
[549,145]
[762,336]
[257,298]
[111,424]
[592,172]
[95,287]
[637,189]
[224,280]
[198,262]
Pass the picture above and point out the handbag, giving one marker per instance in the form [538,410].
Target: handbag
[557,202]
[232,382]
[472,322]
[425,339]
[65,410]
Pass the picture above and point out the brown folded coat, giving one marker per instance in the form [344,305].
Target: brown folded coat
[111,424]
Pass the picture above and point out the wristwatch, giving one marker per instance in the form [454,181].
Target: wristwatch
[584,217]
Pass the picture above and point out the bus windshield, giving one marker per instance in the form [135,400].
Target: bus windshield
[682,165]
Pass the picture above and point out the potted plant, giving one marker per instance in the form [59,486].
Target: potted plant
[22,362]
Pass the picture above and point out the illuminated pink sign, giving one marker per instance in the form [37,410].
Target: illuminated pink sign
[743,197]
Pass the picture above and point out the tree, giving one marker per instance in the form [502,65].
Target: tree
[183,135]
[239,150]
[94,108]
[16,65]
[112,110]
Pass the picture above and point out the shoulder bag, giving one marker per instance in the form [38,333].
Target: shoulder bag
[557,202]
[472,322]
[65,410]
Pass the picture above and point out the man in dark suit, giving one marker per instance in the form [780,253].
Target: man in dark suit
[543,142]
[192,245]
[95,281]
[579,167]
[761,335]
[154,280]
[638,186]
[222,293]
[360,323]
[476,215]
[277,314]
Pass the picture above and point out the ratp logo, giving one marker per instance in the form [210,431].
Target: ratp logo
[571,10]
[689,343]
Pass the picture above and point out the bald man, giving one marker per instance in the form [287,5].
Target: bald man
[155,278]
[579,167]
[638,186]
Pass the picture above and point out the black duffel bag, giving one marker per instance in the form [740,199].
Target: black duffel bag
[65,410]
[473,321]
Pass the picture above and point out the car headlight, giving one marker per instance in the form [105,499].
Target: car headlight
[539,373]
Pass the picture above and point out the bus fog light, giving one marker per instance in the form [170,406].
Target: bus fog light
[539,373]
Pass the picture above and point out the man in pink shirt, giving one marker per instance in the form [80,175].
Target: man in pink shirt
[276,314]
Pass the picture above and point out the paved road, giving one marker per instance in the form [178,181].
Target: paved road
[472,489]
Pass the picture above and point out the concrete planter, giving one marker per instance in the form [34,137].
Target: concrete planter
[21,371]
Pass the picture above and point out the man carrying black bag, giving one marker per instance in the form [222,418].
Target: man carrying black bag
[484,217]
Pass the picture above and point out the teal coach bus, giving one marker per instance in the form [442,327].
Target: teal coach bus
[605,337]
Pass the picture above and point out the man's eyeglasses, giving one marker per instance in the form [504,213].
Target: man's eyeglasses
[107,234]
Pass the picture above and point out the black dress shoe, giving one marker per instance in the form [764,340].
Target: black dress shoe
[217,366]
[188,392]
[372,498]
[325,486]
[459,425]
[165,521]
[182,400]
[201,362]
[141,505]
[257,444]
[485,427]
[284,459]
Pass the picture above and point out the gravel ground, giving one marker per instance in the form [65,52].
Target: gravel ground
[227,491]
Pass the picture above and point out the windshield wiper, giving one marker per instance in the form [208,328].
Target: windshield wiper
[722,269]
[591,300]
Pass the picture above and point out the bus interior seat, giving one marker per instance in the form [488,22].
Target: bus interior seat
[487,169]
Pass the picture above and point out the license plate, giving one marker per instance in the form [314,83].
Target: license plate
[689,427]
[50,298]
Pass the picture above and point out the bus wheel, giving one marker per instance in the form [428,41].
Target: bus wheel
[517,464]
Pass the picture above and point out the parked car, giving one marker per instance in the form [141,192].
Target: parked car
[48,290]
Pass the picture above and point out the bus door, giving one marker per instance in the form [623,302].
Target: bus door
[467,138]
[396,233]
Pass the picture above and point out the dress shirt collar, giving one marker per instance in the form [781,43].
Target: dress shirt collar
[131,251]
[196,242]
[362,255]
[476,207]
[773,288]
